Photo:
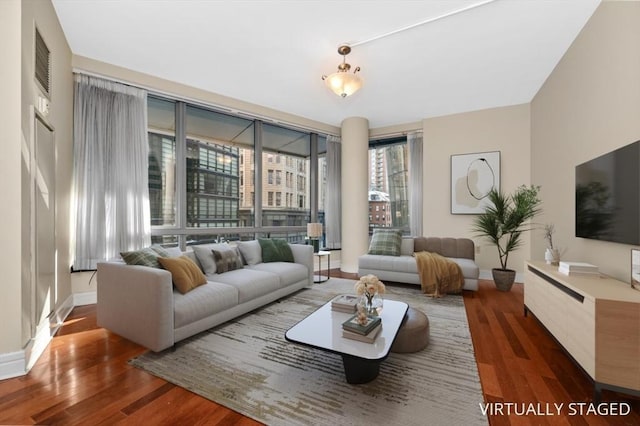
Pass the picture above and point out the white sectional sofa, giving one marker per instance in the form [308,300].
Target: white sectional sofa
[404,269]
[141,304]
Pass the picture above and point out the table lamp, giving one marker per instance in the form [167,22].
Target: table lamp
[314,232]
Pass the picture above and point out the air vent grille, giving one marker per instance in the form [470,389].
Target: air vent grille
[43,67]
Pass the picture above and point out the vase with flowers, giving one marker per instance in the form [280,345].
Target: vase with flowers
[551,254]
[371,289]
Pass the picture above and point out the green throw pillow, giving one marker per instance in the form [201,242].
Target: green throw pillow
[145,257]
[275,250]
[386,242]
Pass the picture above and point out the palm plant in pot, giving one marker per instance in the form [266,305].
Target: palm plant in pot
[503,222]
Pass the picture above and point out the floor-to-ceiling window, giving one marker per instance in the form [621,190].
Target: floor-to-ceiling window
[388,184]
[202,176]
[285,156]
[214,144]
[162,166]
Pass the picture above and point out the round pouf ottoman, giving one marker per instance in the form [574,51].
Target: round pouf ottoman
[413,335]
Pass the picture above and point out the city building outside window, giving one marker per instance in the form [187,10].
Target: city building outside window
[216,160]
[388,183]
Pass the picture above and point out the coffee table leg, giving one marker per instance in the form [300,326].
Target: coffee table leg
[358,370]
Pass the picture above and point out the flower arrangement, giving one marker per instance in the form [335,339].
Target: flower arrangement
[369,285]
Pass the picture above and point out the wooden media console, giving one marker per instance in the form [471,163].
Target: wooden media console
[595,318]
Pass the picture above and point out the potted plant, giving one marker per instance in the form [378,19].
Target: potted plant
[503,223]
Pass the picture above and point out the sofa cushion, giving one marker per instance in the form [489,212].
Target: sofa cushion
[205,257]
[250,251]
[144,257]
[408,264]
[289,273]
[162,252]
[275,250]
[468,267]
[386,242]
[250,283]
[192,255]
[405,264]
[185,274]
[227,260]
[447,247]
[202,302]
[167,251]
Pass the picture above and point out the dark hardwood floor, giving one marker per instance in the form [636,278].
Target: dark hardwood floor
[83,376]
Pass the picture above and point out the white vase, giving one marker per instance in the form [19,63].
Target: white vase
[552,256]
[371,303]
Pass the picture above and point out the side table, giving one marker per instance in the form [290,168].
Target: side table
[322,278]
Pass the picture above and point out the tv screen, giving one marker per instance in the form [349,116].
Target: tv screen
[608,196]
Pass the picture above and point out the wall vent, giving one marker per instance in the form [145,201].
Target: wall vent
[43,65]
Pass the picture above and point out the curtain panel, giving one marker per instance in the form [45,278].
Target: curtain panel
[333,203]
[415,183]
[110,175]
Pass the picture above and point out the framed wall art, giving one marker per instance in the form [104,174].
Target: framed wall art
[473,176]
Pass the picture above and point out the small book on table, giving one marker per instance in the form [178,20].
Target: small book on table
[366,338]
[354,326]
[345,303]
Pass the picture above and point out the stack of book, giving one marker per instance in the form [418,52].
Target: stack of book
[352,329]
[345,303]
[579,268]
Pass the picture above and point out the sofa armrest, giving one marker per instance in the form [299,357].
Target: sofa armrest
[303,254]
[136,302]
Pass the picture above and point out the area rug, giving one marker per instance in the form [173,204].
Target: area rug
[248,366]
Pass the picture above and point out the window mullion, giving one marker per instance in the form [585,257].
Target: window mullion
[181,171]
[257,174]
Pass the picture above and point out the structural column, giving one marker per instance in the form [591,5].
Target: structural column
[355,192]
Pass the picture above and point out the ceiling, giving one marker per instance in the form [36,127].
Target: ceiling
[273,53]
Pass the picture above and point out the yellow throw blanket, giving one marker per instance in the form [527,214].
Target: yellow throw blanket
[438,275]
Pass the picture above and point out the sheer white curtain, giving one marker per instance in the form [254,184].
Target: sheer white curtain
[333,206]
[111,193]
[414,140]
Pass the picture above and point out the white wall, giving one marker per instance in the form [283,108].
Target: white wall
[588,106]
[10,172]
[504,129]
[18,20]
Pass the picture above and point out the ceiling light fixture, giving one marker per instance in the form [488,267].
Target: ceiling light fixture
[343,83]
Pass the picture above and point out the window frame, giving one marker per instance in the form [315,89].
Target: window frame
[179,232]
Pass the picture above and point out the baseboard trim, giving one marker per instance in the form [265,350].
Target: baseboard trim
[85,298]
[12,364]
[15,364]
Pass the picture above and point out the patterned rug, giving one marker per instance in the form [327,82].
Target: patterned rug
[248,366]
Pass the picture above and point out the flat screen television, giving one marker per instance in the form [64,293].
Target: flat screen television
[608,196]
